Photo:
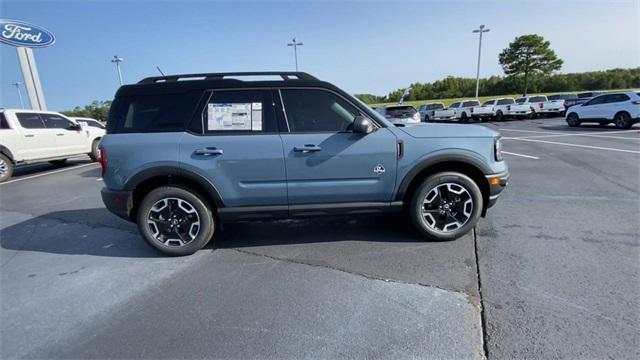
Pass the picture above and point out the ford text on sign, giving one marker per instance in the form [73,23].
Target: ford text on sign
[20,33]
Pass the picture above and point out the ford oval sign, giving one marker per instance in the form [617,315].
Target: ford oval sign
[20,33]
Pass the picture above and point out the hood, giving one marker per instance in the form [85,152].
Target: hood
[431,130]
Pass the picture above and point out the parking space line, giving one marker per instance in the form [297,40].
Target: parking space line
[521,155]
[47,173]
[576,145]
[594,134]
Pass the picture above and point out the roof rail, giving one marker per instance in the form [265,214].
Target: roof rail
[285,75]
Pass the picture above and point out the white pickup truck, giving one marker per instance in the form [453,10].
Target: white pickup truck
[30,136]
[507,107]
[540,105]
[470,109]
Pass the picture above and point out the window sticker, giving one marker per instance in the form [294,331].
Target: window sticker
[234,116]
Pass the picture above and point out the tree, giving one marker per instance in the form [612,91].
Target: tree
[529,55]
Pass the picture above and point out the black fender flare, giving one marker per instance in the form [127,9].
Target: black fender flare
[461,156]
[4,150]
[176,171]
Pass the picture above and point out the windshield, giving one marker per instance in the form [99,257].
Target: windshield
[562,97]
[488,103]
[520,100]
[471,103]
[538,99]
[505,101]
[435,106]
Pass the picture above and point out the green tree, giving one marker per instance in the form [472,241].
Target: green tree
[529,55]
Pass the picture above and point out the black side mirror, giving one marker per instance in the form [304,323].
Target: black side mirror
[362,125]
[75,127]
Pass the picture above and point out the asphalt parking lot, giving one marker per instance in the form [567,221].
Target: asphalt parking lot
[553,271]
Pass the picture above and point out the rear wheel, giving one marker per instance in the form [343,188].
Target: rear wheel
[499,116]
[95,151]
[464,118]
[573,120]
[622,120]
[533,115]
[175,220]
[446,206]
[6,168]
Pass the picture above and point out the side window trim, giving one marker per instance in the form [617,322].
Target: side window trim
[284,110]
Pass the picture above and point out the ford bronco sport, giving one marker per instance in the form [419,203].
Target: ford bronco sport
[184,153]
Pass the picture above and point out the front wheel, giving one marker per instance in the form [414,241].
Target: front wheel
[573,120]
[533,115]
[464,118]
[499,116]
[446,206]
[175,220]
[6,168]
[622,120]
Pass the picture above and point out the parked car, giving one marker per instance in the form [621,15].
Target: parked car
[30,136]
[622,109]
[582,98]
[540,105]
[564,98]
[427,111]
[85,121]
[470,109]
[507,107]
[203,149]
[400,114]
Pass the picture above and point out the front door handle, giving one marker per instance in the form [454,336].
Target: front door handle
[59,134]
[209,151]
[29,135]
[307,148]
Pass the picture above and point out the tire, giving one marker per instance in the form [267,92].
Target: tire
[464,118]
[573,120]
[431,224]
[533,115]
[499,116]
[6,168]
[622,120]
[58,162]
[95,152]
[426,118]
[175,220]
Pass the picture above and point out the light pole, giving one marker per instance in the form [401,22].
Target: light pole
[295,49]
[480,31]
[17,85]
[116,59]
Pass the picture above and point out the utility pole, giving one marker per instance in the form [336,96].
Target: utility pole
[480,30]
[117,60]
[17,85]
[295,49]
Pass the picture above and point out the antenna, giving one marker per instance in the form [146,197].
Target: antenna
[160,71]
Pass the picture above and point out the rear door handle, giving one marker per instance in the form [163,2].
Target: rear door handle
[307,148]
[59,134]
[209,151]
[29,135]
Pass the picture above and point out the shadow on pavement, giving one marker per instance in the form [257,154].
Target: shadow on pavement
[97,232]
[35,168]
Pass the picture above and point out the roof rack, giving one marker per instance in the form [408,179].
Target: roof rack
[285,75]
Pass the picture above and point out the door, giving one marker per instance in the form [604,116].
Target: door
[594,108]
[326,162]
[38,141]
[238,149]
[69,139]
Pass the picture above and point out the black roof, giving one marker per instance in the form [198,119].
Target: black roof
[187,82]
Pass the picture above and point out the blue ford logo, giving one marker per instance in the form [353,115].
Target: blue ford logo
[20,33]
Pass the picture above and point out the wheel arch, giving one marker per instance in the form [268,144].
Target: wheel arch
[145,181]
[464,164]
[6,152]
[622,112]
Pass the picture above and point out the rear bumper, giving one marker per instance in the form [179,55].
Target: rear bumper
[497,183]
[119,202]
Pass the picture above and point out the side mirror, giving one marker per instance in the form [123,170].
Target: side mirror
[362,125]
[75,127]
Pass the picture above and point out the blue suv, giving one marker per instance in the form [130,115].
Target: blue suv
[184,153]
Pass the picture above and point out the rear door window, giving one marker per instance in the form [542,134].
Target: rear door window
[615,98]
[454,105]
[470,103]
[521,100]
[239,112]
[30,120]
[505,101]
[538,99]
[152,113]
[435,107]
[4,124]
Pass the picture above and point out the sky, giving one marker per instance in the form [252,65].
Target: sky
[362,47]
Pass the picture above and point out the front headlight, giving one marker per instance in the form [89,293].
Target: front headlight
[498,149]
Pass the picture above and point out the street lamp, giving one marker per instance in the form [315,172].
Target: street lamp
[295,50]
[17,85]
[480,31]
[117,60]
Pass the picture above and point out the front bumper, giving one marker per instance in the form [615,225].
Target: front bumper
[119,202]
[497,183]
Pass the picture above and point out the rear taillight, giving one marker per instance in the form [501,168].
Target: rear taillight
[433,113]
[509,107]
[471,110]
[541,105]
[636,102]
[103,160]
